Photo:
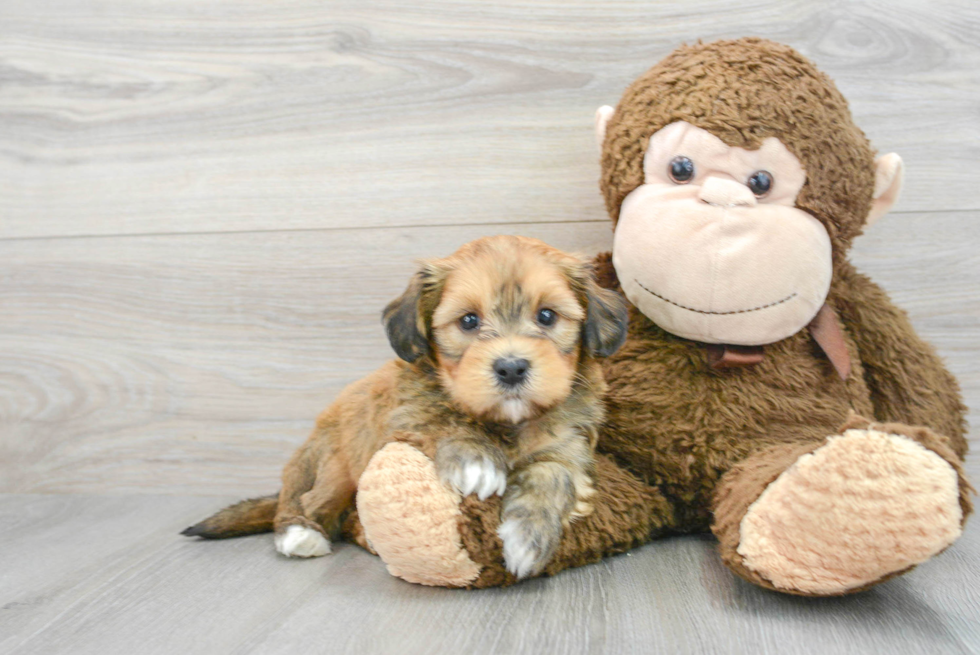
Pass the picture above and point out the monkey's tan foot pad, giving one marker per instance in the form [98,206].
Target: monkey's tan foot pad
[863,506]
[411,519]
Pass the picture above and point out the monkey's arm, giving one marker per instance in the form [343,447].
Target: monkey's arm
[907,379]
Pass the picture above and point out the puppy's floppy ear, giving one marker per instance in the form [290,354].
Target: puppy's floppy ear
[407,318]
[606,320]
[606,313]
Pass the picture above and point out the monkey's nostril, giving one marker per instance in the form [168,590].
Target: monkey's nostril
[510,371]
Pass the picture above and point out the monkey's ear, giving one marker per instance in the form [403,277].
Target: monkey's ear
[889,172]
[405,318]
[606,321]
[602,116]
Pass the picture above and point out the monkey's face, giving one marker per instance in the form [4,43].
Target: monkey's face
[507,321]
[711,246]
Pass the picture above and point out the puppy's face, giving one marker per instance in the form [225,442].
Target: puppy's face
[506,320]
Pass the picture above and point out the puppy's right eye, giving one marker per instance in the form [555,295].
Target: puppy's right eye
[547,317]
[469,322]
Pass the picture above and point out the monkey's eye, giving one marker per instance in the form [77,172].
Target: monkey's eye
[681,170]
[469,322]
[760,183]
[547,317]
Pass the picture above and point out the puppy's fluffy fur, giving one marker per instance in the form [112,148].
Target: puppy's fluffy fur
[497,383]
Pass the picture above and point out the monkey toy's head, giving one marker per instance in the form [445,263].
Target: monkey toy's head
[736,180]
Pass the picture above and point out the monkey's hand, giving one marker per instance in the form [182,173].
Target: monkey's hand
[540,498]
[472,466]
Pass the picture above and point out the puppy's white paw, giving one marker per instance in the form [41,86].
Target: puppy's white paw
[301,541]
[479,476]
[526,549]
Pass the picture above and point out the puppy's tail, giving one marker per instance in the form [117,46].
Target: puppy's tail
[247,517]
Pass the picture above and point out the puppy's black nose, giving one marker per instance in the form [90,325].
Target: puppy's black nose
[510,370]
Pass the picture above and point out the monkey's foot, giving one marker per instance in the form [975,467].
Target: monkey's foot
[862,507]
[412,519]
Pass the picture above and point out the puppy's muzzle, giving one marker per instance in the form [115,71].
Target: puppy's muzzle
[511,371]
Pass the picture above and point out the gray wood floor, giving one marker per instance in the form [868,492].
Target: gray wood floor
[115,579]
[203,207]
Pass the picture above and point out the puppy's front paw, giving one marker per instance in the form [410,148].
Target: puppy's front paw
[529,543]
[472,469]
[479,476]
[301,541]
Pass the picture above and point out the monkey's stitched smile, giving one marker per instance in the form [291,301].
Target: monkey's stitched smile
[701,311]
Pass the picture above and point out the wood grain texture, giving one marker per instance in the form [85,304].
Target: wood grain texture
[161,116]
[87,574]
[197,363]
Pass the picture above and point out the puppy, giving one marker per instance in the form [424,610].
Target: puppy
[497,383]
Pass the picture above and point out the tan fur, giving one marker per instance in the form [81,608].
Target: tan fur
[447,401]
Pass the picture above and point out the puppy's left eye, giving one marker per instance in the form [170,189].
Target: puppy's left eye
[469,322]
[547,317]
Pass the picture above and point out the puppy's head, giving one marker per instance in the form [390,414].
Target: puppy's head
[507,321]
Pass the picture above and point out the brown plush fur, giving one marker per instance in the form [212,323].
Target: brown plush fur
[626,513]
[687,447]
[446,400]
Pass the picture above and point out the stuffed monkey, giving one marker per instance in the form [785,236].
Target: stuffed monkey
[767,391]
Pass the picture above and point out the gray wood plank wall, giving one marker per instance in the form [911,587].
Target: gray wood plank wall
[203,209]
